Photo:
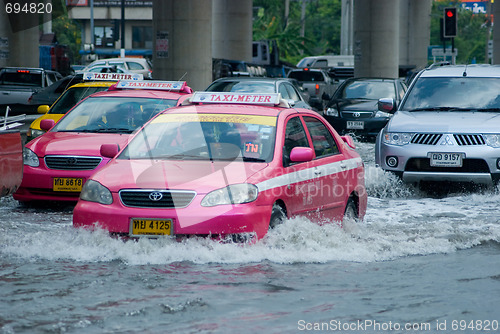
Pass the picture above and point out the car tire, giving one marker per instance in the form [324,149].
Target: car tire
[278,216]
[350,219]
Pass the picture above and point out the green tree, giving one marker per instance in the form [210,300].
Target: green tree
[321,27]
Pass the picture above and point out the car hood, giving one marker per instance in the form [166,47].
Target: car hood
[484,122]
[356,105]
[201,176]
[84,144]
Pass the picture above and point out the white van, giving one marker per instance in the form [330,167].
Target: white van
[327,61]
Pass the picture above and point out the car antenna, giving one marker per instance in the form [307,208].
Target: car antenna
[465,71]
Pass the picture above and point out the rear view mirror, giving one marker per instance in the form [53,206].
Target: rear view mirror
[47,124]
[301,154]
[109,150]
[387,105]
[43,109]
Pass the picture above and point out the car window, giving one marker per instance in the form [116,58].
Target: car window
[72,97]
[321,63]
[323,141]
[295,135]
[205,137]
[63,85]
[97,114]
[458,92]
[292,92]
[402,90]
[242,86]
[284,92]
[134,66]
[306,76]
[117,63]
[369,90]
[51,78]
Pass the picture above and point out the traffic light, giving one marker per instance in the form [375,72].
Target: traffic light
[450,22]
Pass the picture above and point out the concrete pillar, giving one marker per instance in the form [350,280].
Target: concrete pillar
[414,32]
[496,33]
[346,27]
[232,29]
[376,38]
[19,48]
[182,45]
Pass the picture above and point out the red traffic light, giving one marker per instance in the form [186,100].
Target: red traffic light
[450,22]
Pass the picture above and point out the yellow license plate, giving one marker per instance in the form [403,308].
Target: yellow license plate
[144,226]
[73,184]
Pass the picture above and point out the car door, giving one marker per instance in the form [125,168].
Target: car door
[303,187]
[329,169]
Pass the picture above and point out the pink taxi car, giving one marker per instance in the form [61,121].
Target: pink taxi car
[57,163]
[227,166]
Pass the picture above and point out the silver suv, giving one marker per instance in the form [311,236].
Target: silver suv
[447,127]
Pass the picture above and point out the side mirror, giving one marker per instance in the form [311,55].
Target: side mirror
[43,109]
[47,124]
[301,154]
[387,105]
[109,150]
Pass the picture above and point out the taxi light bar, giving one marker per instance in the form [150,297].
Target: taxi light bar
[239,98]
[149,84]
[91,76]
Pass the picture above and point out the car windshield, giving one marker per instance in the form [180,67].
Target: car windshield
[71,97]
[373,90]
[453,94]
[242,86]
[205,137]
[111,114]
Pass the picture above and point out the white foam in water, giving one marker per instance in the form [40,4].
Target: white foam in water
[398,223]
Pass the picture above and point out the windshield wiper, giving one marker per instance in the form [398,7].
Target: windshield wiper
[489,109]
[113,130]
[442,109]
[248,159]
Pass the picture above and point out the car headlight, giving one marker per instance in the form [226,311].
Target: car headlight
[492,140]
[396,138]
[332,112]
[233,194]
[382,114]
[30,158]
[93,191]
[33,133]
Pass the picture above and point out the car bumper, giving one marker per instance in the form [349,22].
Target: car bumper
[194,220]
[413,163]
[38,184]
[371,126]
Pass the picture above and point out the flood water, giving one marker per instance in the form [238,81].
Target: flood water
[418,263]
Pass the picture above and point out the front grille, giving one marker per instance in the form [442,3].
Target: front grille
[72,162]
[360,115]
[463,140]
[468,166]
[170,199]
[426,138]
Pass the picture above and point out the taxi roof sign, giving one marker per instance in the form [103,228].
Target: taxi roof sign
[239,98]
[91,76]
[149,84]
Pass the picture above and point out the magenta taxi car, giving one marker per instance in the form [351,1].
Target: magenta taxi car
[228,166]
[57,163]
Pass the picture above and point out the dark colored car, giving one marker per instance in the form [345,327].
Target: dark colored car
[49,94]
[288,88]
[353,107]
